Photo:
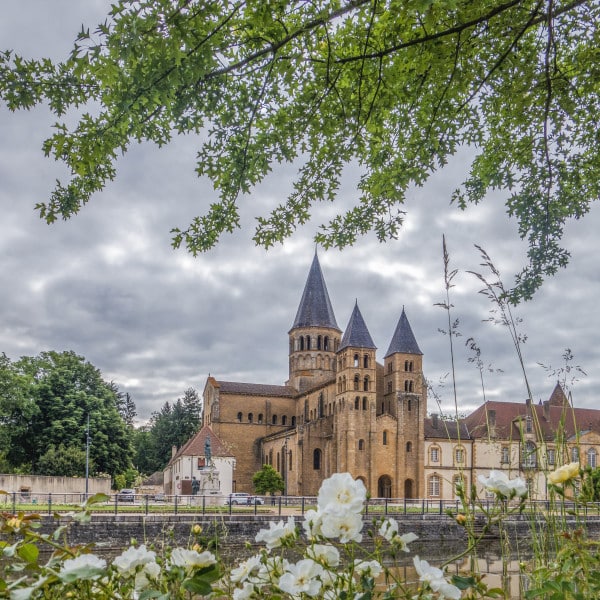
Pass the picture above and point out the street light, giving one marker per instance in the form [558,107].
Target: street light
[87,456]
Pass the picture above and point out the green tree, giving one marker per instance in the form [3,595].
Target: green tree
[58,391]
[268,481]
[173,425]
[394,87]
[590,485]
[63,460]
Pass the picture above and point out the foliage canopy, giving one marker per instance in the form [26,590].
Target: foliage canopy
[393,86]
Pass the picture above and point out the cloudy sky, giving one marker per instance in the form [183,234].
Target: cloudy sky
[156,321]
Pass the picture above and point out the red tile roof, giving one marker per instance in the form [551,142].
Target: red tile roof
[195,445]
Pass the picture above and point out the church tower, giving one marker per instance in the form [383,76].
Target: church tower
[356,399]
[314,336]
[405,399]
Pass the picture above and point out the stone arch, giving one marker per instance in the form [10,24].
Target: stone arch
[384,487]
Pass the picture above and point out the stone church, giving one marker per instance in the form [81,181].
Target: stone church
[340,409]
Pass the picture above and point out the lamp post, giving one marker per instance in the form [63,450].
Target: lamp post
[87,456]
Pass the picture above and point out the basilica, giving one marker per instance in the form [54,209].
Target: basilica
[341,408]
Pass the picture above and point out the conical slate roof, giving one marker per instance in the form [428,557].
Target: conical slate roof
[315,308]
[357,335]
[403,340]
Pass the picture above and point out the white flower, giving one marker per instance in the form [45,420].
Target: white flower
[85,566]
[324,554]
[302,578]
[244,593]
[127,562]
[245,569]
[277,532]
[150,572]
[564,473]
[190,559]
[371,567]
[312,524]
[273,568]
[344,525]
[389,530]
[434,577]
[499,483]
[21,593]
[342,491]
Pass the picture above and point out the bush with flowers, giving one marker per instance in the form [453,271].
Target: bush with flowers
[329,561]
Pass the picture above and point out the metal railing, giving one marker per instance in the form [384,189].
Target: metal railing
[53,503]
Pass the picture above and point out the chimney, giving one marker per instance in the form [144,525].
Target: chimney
[528,402]
[434,420]
[173,450]
[547,410]
[491,422]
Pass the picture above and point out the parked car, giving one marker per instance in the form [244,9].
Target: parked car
[126,495]
[243,498]
[160,497]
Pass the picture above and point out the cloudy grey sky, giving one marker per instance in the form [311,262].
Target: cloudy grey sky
[107,284]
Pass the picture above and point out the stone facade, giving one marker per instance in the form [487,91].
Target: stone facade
[340,409]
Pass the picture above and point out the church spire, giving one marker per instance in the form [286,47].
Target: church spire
[315,308]
[403,340]
[357,335]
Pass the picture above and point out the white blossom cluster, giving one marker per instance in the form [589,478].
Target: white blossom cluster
[321,572]
[328,568]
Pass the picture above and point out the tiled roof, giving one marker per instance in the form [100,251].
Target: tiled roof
[315,308]
[403,340]
[255,389]
[357,335]
[446,429]
[548,417]
[196,444]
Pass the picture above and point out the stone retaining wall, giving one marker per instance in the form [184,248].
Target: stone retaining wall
[111,534]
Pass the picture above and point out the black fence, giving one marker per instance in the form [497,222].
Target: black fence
[119,503]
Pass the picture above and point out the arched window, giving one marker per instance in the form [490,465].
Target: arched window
[434,454]
[284,420]
[356,360]
[339,385]
[250,417]
[385,438]
[366,384]
[319,342]
[528,425]
[364,403]
[366,361]
[260,417]
[239,417]
[356,381]
[505,458]
[361,444]
[433,486]
[321,405]
[408,365]
[308,342]
[290,460]
[274,419]
[344,383]
[408,386]
[278,462]
[271,457]
[356,403]
[293,421]
[529,455]
[389,387]
[575,454]
[317,459]
[409,405]
[326,343]
[390,366]
[408,447]
[301,343]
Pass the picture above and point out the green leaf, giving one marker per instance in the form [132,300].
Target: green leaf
[29,552]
